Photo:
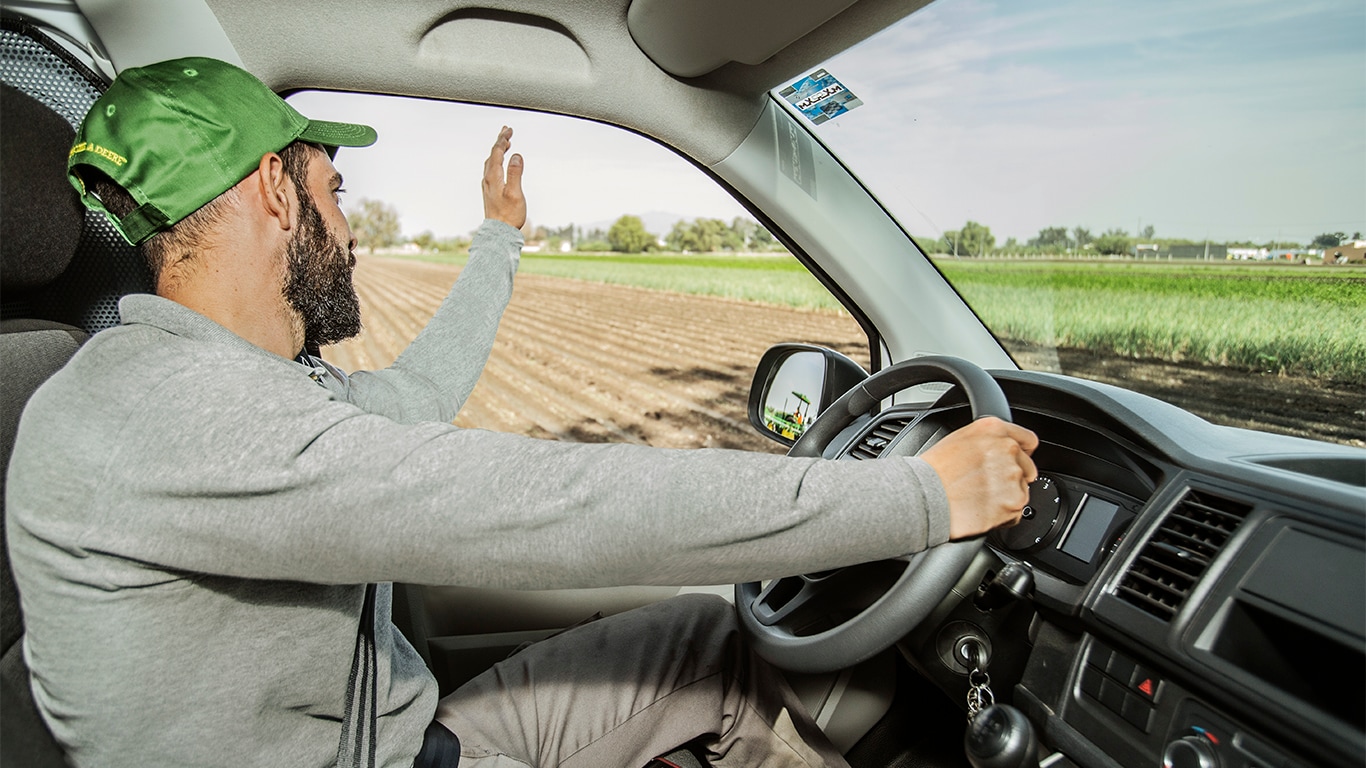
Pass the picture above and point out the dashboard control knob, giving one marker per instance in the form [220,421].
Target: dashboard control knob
[1190,752]
[1037,519]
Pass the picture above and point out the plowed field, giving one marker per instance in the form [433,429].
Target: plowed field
[596,363]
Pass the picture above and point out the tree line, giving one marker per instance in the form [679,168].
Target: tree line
[975,239]
[629,235]
[375,225]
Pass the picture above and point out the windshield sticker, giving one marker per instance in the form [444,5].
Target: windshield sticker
[820,97]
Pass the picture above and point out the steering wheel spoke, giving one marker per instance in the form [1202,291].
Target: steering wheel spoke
[782,598]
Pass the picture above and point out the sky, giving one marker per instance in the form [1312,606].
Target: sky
[1219,119]
[429,160]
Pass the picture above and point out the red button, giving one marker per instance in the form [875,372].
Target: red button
[1146,687]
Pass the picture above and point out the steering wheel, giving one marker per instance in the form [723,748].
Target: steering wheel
[771,616]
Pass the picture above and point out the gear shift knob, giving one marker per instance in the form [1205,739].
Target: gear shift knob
[1001,737]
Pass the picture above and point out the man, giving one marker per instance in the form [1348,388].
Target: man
[197,504]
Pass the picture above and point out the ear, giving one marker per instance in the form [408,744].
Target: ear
[275,188]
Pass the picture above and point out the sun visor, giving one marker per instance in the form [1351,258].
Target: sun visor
[693,38]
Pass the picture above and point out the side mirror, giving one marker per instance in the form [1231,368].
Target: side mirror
[792,383]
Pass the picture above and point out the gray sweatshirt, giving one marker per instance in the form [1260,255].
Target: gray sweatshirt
[193,519]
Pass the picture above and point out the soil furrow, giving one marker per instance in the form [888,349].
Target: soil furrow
[635,393]
[636,311]
[585,361]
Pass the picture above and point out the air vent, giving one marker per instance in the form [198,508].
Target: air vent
[1184,545]
[871,445]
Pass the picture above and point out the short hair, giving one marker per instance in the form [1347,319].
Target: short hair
[180,241]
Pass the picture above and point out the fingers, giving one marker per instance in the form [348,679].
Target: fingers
[1028,472]
[493,166]
[512,186]
[1025,439]
[1028,443]
[503,196]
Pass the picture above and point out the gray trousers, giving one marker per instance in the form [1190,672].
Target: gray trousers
[617,692]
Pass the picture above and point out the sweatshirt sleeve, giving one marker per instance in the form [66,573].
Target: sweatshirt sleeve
[433,377]
[297,485]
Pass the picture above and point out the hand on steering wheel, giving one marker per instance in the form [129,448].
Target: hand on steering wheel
[772,617]
[986,470]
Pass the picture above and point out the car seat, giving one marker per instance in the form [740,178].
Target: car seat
[62,271]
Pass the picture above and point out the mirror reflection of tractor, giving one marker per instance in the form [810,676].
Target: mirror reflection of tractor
[789,422]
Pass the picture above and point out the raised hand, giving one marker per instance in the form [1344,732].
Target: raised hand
[503,198]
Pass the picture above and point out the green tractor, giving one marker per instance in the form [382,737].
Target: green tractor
[789,422]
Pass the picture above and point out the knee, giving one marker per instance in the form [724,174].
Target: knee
[711,611]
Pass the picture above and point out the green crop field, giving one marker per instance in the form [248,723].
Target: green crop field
[777,279]
[1294,319]
[771,279]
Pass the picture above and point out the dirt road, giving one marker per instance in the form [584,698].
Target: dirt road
[596,363]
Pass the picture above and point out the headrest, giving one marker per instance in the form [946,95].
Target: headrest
[41,217]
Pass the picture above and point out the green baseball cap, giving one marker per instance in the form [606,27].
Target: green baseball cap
[179,133]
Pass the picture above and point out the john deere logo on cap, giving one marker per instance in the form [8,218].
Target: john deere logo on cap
[108,154]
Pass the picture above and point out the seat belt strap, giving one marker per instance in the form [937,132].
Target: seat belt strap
[360,721]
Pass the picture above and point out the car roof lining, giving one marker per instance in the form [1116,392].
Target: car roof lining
[182,28]
[563,55]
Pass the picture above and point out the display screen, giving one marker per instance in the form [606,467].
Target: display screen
[1093,520]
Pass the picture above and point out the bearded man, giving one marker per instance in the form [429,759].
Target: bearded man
[204,516]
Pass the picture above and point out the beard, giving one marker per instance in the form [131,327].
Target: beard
[318,281]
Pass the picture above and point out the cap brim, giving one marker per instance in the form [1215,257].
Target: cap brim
[331,134]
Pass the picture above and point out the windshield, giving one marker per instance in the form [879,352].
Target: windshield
[1165,196]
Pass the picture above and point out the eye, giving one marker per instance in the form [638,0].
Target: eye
[337,193]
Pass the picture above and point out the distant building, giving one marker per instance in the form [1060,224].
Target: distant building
[1353,252]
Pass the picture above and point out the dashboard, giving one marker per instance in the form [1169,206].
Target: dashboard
[1199,594]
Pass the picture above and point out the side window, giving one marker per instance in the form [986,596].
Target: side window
[645,296]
